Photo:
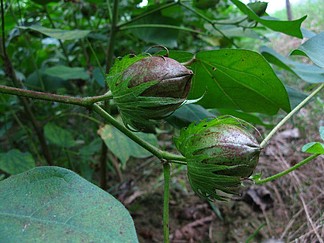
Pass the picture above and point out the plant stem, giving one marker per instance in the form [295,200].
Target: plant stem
[288,116]
[86,101]
[149,147]
[166,195]
[285,172]
[113,32]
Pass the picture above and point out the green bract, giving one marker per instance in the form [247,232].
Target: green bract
[220,154]
[146,89]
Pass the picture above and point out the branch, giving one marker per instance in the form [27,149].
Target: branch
[86,101]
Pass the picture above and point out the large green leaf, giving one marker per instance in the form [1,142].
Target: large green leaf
[314,49]
[237,79]
[52,204]
[309,73]
[67,73]
[122,146]
[14,161]
[58,136]
[58,33]
[288,27]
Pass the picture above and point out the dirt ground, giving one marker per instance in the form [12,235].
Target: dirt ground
[289,209]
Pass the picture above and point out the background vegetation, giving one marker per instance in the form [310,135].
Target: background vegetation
[67,47]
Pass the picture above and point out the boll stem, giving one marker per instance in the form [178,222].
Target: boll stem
[288,116]
[285,172]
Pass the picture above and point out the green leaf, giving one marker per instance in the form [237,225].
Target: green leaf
[251,118]
[292,28]
[58,136]
[187,114]
[237,79]
[180,56]
[122,146]
[314,49]
[162,36]
[313,148]
[52,204]
[67,73]
[14,162]
[309,73]
[58,33]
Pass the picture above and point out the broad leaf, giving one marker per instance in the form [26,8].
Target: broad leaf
[122,146]
[14,162]
[58,136]
[309,73]
[67,73]
[314,49]
[288,27]
[313,148]
[52,204]
[58,33]
[237,79]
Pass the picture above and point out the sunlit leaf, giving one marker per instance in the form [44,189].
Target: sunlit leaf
[288,27]
[52,204]
[237,79]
